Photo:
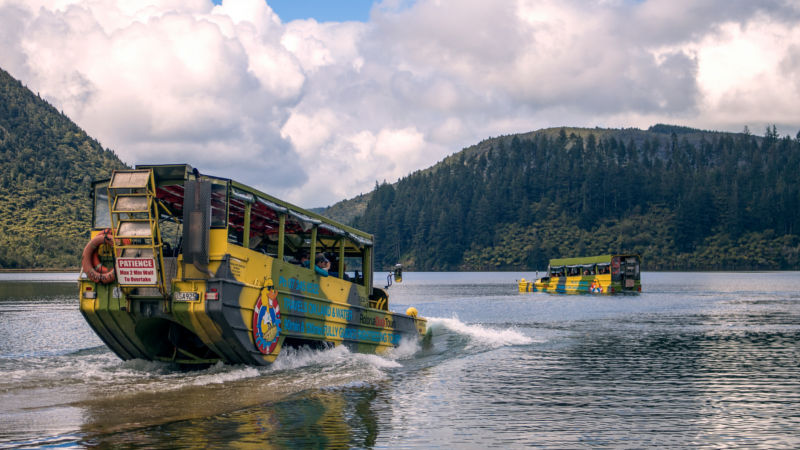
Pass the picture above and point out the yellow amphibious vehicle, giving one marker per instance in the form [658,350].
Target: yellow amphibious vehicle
[194,269]
[604,274]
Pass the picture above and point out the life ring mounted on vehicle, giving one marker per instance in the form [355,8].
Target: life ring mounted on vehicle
[90,262]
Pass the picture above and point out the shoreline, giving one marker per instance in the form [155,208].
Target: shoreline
[77,271]
[72,270]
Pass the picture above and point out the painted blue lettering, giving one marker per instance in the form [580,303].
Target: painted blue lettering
[292,325]
[313,308]
[297,285]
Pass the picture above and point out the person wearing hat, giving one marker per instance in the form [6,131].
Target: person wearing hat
[321,264]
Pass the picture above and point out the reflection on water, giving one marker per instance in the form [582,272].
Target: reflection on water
[325,418]
[695,360]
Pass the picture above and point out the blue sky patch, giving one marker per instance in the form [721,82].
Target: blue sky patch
[320,10]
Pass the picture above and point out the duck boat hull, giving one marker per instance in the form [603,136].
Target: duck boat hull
[232,303]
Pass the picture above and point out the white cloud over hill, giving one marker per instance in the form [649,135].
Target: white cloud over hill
[316,112]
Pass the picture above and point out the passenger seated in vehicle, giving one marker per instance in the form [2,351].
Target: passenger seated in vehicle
[322,264]
[345,276]
[333,270]
[335,273]
[303,259]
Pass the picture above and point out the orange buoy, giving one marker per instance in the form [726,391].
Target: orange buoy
[90,262]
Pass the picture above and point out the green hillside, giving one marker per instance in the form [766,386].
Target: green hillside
[683,198]
[47,165]
[346,211]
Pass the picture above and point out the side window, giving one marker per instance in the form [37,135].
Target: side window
[615,269]
[354,269]
[102,216]
[264,229]
[219,206]
[236,215]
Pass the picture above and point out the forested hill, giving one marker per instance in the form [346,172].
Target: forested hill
[683,198]
[47,164]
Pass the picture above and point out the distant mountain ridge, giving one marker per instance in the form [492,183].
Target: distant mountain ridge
[346,211]
[47,164]
[683,198]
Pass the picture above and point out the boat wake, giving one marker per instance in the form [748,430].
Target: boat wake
[475,335]
[100,369]
[291,358]
[97,387]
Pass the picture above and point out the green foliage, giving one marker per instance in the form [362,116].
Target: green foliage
[683,198]
[347,210]
[47,166]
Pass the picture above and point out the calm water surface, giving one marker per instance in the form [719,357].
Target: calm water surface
[709,360]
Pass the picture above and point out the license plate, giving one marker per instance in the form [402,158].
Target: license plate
[186,296]
[629,283]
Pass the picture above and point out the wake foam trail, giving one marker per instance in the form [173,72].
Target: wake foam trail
[291,358]
[138,375]
[108,372]
[405,350]
[479,334]
[337,366]
[221,373]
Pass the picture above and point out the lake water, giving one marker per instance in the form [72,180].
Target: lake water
[697,359]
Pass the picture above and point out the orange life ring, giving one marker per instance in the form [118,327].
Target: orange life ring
[90,262]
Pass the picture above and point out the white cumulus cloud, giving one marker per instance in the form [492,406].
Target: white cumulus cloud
[317,112]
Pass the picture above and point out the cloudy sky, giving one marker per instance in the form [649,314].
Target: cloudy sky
[316,105]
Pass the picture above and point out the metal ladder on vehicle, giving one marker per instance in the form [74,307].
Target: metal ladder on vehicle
[137,238]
